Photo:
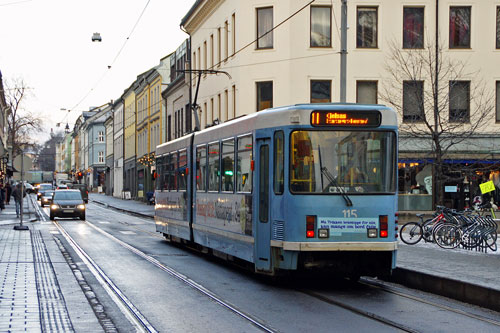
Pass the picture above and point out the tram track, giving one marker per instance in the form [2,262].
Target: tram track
[261,324]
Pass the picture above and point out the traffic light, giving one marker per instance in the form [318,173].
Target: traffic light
[80,175]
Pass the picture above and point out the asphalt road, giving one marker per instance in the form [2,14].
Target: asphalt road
[293,304]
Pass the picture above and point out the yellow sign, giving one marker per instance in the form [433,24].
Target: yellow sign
[487,187]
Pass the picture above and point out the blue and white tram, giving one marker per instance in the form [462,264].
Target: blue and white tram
[288,188]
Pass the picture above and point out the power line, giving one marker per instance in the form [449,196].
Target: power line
[14,3]
[114,60]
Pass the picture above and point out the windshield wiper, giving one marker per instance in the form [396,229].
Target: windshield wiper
[332,180]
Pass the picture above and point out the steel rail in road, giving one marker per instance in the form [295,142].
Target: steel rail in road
[256,322]
[124,304]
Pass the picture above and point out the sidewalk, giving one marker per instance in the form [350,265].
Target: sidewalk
[38,290]
[470,276]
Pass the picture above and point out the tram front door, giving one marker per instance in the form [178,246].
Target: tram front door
[263,235]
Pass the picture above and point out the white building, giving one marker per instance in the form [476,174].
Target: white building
[118,122]
[288,51]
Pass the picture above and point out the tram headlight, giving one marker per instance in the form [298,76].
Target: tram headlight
[323,233]
[372,233]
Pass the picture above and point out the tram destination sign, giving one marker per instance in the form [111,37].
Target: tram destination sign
[346,118]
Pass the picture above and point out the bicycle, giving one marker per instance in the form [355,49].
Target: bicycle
[412,232]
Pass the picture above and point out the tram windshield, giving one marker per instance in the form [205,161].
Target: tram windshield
[336,162]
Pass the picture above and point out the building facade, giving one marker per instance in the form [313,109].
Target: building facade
[118,142]
[280,53]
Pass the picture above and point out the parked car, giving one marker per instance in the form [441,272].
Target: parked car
[42,188]
[67,203]
[83,189]
[46,198]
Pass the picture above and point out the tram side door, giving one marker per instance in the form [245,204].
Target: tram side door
[263,220]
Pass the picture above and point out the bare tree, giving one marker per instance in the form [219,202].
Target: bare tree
[22,123]
[441,102]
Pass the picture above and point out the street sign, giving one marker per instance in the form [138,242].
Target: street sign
[487,187]
[27,163]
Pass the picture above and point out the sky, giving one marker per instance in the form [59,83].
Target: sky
[47,43]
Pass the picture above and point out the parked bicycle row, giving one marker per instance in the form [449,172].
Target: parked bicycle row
[450,229]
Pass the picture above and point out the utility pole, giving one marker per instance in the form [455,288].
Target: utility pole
[343,52]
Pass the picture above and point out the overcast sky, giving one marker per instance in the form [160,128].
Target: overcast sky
[48,44]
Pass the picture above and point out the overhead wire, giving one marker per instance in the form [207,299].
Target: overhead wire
[112,63]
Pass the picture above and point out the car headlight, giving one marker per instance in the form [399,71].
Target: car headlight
[54,207]
[80,207]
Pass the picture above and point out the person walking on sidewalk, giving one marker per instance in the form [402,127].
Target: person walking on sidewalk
[16,193]
[2,197]
[8,192]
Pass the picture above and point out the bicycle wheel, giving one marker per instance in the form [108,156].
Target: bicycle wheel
[491,240]
[411,233]
[471,238]
[427,230]
[447,236]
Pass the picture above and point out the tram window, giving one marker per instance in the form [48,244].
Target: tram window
[182,170]
[165,175]
[243,164]
[279,161]
[173,172]
[159,172]
[201,168]
[228,165]
[213,167]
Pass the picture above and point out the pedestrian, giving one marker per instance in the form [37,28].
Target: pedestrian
[2,197]
[8,192]
[16,193]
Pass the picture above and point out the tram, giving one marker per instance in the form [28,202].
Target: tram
[289,188]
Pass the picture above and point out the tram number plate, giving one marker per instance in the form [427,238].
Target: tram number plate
[67,210]
[339,225]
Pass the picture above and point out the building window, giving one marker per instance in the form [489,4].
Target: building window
[413,27]
[219,48]
[498,101]
[366,33]
[498,28]
[233,33]
[460,27]
[226,104]
[226,40]
[234,101]
[219,111]
[321,91]
[413,101]
[366,92]
[264,25]
[212,51]
[212,110]
[321,26]
[100,157]
[459,101]
[100,136]
[205,55]
[264,95]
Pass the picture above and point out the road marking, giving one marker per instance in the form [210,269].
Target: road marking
[104,222]
[126,232]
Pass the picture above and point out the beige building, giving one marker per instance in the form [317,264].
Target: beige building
[286,52]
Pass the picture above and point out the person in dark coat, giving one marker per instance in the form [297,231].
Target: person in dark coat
[16,194]
[8,192]
[2,197]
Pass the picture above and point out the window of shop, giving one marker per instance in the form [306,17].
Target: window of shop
[413,27]
[321,26]
[366,29]
[321,91]
[415,185]
[460,27]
